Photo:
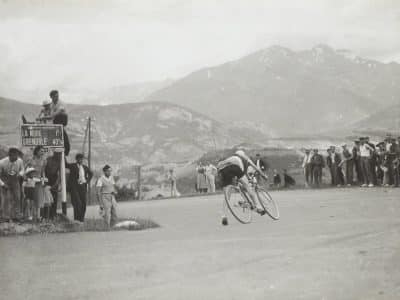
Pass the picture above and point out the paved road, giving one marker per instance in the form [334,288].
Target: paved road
[329,244]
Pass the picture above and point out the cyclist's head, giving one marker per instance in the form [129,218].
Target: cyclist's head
[240,153]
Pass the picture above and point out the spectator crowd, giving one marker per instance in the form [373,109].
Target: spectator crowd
[30,188]
[363,164]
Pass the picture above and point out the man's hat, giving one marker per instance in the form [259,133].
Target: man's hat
[106,167]
[46,102]
[29,170]
[343,145]
[380,144]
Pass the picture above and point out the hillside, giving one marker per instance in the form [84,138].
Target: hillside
[290,93]
[384,121]
[128,134]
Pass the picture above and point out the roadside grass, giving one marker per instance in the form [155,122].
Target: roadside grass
[64,225]
[99,225]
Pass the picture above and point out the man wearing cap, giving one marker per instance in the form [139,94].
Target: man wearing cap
[45,113]
[347,165]
[11,172]
[78,181]
[106,196]
[318,164]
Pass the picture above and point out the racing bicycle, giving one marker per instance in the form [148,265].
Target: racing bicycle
[240,205]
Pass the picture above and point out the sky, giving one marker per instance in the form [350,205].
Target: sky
[89,45]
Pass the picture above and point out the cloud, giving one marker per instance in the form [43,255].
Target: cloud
[99,44]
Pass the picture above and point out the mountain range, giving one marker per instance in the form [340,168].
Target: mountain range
[273,97]
[289,93]
[134,133]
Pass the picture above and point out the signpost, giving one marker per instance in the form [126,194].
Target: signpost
[47,136]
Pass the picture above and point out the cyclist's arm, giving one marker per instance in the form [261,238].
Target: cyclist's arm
[251,163]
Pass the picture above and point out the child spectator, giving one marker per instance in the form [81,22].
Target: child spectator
[30,208]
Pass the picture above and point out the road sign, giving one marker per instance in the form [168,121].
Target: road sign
[46,135]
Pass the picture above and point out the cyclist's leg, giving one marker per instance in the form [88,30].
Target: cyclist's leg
[253,197]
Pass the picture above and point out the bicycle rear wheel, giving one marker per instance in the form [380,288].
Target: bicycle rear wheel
[238,204]
[268,203]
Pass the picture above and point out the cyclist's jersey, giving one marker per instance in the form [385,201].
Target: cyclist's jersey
[234,160]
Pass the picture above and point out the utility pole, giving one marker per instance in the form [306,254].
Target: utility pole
[139,179]
[89,127]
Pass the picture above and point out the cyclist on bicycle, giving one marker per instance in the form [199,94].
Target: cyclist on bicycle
[236,167]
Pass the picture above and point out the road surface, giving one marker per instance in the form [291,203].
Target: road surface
[329,244]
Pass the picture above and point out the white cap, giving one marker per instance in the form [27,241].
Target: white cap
[29,170]
[46,102]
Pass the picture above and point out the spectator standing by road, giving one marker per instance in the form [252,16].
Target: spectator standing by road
[277,179]
[28,187]
[38,162]
[347,165]
[366,152]
[52,172]
[372,161]
[307,167]
[396,164]
[318,164]
[78,181]
[11,172]
[336,170]
[202,185]
[329,163]
[172,183]
[106,196]
[390,149]
[357,161]
[211,172]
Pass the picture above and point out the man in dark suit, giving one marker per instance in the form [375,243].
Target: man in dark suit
[79,178]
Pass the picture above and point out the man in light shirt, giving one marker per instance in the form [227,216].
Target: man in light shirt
[11,171]
[366,152]
[307,167]
[106,196]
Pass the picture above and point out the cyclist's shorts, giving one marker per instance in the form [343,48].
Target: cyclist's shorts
[228,173]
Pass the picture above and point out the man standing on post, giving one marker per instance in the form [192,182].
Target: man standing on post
[59,115]
[79,178]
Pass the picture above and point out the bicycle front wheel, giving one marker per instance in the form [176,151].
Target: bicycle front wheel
[238,204]
[268,203]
